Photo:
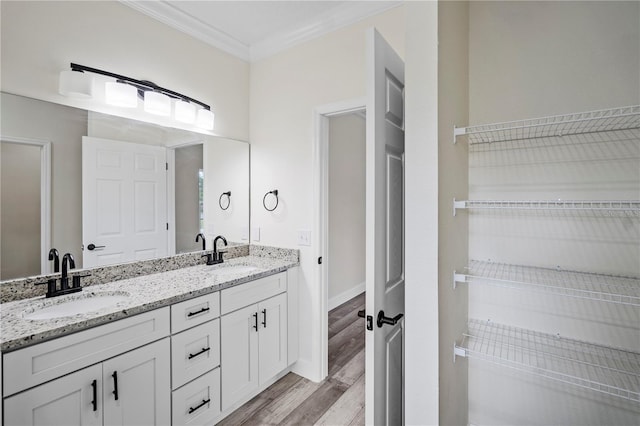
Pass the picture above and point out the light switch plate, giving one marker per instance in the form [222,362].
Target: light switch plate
[245,233]
[304,237]
[255,233]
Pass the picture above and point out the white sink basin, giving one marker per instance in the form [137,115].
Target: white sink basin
[74,305]
[234,269]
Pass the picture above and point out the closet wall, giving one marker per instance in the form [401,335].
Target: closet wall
[536,59]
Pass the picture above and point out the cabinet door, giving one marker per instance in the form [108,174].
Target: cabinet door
[140,380]
[75,399]
[239,350]
[272,314]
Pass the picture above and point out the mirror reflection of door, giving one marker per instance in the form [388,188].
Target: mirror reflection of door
[124,201]
[189,194]
[22,212]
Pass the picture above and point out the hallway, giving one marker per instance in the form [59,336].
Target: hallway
[338,400]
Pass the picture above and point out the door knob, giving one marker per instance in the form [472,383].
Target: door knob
[92,247]
[382,319]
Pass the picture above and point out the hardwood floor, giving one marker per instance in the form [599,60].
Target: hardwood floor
[338,400]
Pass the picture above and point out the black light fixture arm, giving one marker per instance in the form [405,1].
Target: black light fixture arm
[139,84]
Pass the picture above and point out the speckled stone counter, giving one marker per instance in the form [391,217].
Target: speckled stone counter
[144,293]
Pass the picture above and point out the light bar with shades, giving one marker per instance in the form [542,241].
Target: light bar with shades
[125,92]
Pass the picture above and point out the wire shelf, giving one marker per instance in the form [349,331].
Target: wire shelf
[623,207]
[600,368]
[558,125]
[581,285]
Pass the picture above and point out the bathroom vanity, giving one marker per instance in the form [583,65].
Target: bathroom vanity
[180,347]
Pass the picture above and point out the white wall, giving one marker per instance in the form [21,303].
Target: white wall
[41,38]
[285,89]
[421,204]
[188,163]
[64,128]
[530,59]
[226,165]
[453,109]
[346,258]
[20,205]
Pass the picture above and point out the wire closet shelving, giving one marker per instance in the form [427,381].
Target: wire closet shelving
[596,367]
[580,285]
[619,207]
[622,118]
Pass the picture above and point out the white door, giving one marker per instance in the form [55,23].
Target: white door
[75,399]
[385,234]
[124,201]
[272,315]
[239,354]
[137,386]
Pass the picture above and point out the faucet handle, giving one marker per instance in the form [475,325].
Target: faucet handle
[75,280]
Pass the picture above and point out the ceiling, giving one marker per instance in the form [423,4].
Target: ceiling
[253,30]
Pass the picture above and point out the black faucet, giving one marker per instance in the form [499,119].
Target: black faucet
[204,242]
[64,279]
[68,262]
[217,256]
[55,257]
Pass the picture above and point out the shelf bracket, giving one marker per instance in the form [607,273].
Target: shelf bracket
[458,131]
[458,351]
[458,205]
[458,278]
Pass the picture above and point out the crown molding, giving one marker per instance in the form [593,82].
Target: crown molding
[339,17]
[169,15]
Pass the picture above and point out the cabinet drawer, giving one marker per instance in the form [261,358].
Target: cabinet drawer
[194,352]
[252,292]
[37,364]
[194,311]
[197,402]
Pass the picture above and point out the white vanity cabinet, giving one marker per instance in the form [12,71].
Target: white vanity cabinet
[112,379]
[254,340]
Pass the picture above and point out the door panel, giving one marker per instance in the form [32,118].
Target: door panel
[384,383]
[239,354]
[124,201]
[272,314]
[142,384]
[67,401]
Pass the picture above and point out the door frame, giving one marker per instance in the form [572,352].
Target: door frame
[171,191]
[45,194]
[321,115]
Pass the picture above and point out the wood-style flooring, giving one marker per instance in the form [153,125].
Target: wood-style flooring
[338,400]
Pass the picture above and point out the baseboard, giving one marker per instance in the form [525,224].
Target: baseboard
[306,369]
[339,299]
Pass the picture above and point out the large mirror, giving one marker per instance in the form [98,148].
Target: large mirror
[111,190]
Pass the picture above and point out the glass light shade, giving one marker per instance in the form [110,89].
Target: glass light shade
[75,84]
[120,94]
[185,112]
[157,103]
[205,119]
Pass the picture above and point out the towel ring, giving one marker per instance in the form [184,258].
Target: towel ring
[220,200]
[264,200]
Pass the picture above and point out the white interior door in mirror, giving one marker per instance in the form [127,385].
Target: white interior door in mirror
[124,201]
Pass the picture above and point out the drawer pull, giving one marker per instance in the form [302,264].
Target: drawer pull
[190,314]
[94,402]
[199,353]
[255,317]
[202,404]
[264,316]
[115,384]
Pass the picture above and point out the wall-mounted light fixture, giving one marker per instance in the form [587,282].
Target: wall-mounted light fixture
[125,91]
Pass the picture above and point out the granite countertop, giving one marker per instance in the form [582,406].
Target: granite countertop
[145,293]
